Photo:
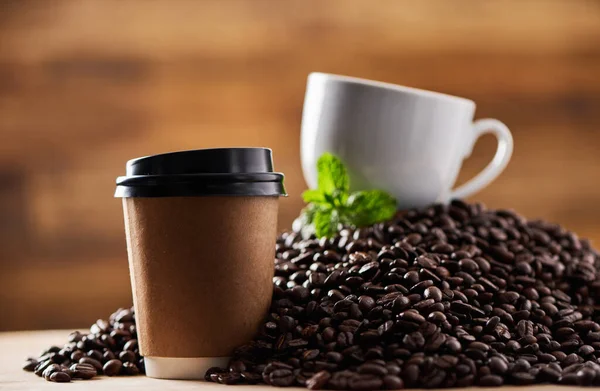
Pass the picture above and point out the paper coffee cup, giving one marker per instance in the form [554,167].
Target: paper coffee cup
[201,228]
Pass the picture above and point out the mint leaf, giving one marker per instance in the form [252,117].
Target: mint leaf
[314,195]
[368,207]
[332,174]
[331,205]
[326,222]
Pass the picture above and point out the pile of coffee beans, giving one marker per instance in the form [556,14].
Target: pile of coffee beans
[448,296]
[110,348]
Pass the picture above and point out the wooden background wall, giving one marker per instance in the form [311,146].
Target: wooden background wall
[87,84]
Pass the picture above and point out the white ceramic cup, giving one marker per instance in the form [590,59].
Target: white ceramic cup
[406,141]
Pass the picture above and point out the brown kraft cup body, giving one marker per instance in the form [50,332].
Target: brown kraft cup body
[201,271]
[200,228]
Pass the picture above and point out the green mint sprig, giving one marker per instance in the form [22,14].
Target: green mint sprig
[332,204]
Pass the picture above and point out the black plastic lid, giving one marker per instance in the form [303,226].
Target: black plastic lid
[202,172]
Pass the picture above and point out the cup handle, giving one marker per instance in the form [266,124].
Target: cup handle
[498,163]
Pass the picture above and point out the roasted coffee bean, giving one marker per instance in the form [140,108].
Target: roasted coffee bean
[308,355]
[77,355]
[83,371]
[95,354]
[108,355]
[50,369]
[93,362]
[364,382]
[237,366]
[523,378]
[585,350]
[281,377]
[41,366]
[250,377]
[411,316]
[318,380]
[126,356]
[498,365]
[491,381]
[130,369]
[585,376]
[433,293]
[366,303]
[335,357]
[436,317]
[227,378]
[59,377]
[132,345]
[30,364]
[213,371]
[549,374]
[372,369]
[75,336]
[112,367]
[393,382]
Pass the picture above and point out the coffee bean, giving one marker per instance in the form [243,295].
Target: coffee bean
[366,303]
[75,336]
[250,377]
[223,378]
[523,378]
[498,365]
[317,279]
[411,316]
[479,346]
[213,371]
[281,377]
[126,356]
[308,355]
[237,366]
[93,362]
[95,354]
[372,369]
[365,382]
[60,377]
[41,366]
[83,371]
[77,355]
[491,381]
[50,369]
[318,380]
[446,361]
[468,265]
[586,350]
[586,376]
[335,357]
[491,323]
[549,374]
[461,307]
[433,293]
[386,328]
[108,355]
[436,317]
[130,369]
[132,345]
[112,367]
[392,382]
[30,364]
[524,328]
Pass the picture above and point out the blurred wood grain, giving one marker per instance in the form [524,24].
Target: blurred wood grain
[86,85]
